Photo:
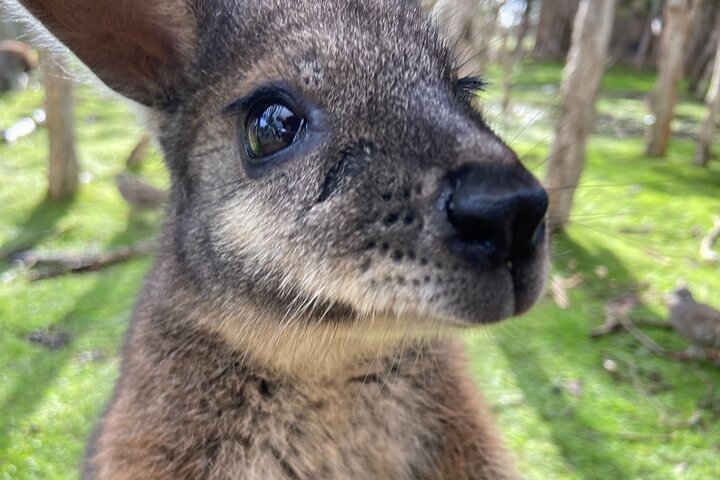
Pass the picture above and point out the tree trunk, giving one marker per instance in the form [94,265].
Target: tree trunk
[704,144]
[704,83]
[486,32]
[678,18]
[506,59]
[648,38]
[700,48]
[555,28]
[63,171]
[581,84]
[523,30]
[703,62]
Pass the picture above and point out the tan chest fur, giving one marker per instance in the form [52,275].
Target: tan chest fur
[405,416]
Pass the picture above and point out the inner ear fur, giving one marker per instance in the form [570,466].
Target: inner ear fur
[137,47]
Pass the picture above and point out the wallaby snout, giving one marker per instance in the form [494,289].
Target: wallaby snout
[499,215]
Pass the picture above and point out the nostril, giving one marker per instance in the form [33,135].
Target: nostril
[497,214]
[529,225]
[481,220]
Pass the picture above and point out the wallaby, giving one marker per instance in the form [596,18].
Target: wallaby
[16,59]
[339,213]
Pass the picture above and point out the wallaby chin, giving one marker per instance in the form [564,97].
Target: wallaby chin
[338,211]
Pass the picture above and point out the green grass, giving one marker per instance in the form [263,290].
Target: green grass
[634,426]
[637,426]
[49,400]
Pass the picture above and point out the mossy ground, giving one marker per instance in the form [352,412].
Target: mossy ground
[564,416]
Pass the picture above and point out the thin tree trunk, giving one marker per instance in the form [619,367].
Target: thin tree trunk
[581,84]
[704,144]
[697,50]
[523,30]
[646,42]
[678,18]
[554,31]
[506,59]
[484,35]
[704,84]
[63,171]
[704,62]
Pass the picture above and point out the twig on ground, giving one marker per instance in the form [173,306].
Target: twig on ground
[618,317]
[647,342]
[615,309]
[611,325]
[55,265]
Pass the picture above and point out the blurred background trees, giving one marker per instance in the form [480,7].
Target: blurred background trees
[17,61]
[679,16]
[678,39]
[581,84]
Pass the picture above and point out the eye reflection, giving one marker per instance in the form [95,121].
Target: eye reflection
[272,127]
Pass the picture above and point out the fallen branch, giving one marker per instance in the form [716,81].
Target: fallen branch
[618,318]
[613,325]
[647,342]
[55,265]
[706,246]
[614,309]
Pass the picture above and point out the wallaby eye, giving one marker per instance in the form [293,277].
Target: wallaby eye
[272,126]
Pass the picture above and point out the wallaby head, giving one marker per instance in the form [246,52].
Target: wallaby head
[328,168]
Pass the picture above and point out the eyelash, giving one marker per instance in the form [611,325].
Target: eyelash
[470,86]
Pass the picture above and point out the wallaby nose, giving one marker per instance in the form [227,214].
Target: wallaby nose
[497,211]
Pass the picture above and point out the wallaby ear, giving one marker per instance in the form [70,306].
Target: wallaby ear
[137,47]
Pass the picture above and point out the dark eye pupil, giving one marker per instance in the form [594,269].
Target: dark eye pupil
[271,128]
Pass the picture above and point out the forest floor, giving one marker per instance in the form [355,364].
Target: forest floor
[636,228]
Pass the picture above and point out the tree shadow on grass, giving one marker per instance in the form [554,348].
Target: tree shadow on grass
[44,366]
[584,449]
[689,181]
[40,224]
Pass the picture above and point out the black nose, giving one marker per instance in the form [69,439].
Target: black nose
[497,211]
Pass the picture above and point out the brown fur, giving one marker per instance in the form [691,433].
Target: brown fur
[298,322]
